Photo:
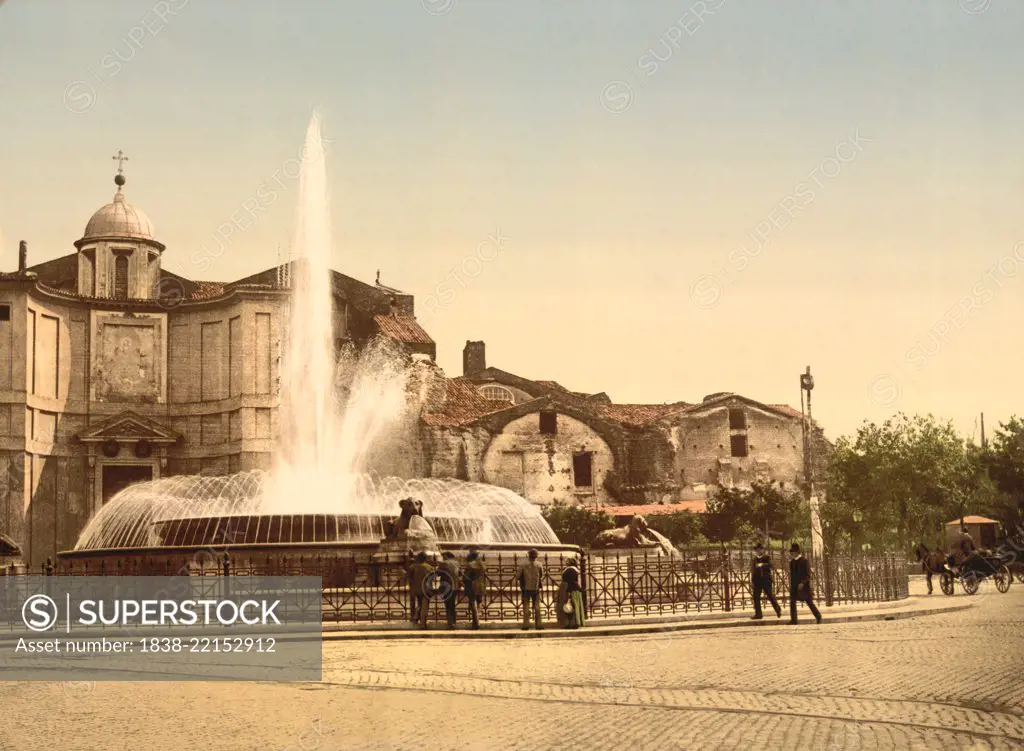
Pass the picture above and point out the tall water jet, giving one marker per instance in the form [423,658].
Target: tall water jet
[307,368]
[341,414]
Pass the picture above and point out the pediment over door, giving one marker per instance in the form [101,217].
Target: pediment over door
[128,426]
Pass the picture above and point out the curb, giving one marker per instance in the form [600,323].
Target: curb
[648,628]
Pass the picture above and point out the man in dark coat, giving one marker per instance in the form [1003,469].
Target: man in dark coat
[761,580]
[448,584]
[420,574]
[474,582]
[800,583]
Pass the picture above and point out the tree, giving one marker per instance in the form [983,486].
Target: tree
[903,480]
[576,525]
[1004,463]
[727,515]
[782,514]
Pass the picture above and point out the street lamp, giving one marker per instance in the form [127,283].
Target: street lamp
[806,386]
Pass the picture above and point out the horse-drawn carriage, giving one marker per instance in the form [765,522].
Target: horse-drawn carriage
[970,572]
[973,571]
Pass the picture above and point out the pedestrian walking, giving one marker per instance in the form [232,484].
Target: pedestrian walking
[419,574]
[447,580]
[570,597]
[531,574]
[761,581]
[474,582]
[800,583]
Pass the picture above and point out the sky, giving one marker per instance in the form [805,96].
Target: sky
[657,200]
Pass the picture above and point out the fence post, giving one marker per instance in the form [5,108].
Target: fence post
[828,577]
[727,600]
[583,583]
[226,568]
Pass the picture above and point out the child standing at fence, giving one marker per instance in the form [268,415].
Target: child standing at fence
[800,583]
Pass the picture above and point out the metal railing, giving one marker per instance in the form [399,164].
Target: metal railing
[617,584]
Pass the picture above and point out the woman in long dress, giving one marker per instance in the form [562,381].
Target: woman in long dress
[570,592]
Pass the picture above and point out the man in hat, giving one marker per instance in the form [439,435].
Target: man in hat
[474,582]
[448,584]
[420,574]
[531,574]
[761,580]
[800,583]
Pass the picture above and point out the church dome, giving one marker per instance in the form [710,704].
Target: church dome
[119,219]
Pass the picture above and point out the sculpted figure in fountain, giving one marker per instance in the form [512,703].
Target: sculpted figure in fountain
[636,534]
[410,533]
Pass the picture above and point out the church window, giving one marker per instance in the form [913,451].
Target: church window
[549,423]
[737,419]
[739,445]
[497,393]
[5,312]
[121,277]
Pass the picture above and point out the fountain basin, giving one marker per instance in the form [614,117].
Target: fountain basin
[178,519]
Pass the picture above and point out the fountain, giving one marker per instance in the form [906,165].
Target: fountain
[323,493]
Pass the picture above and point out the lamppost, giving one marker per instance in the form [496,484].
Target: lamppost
[858,517]
[806,386]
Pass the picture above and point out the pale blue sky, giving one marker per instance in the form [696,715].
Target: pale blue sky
[446,127]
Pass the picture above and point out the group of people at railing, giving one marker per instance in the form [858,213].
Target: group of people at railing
[429,583]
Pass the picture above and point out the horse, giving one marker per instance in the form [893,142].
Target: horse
[931,562]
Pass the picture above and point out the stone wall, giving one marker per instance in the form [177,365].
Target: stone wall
[703,449]
[540,467]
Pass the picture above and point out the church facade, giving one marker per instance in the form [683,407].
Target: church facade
[114,370]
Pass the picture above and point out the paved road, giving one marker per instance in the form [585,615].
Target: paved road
[944,681]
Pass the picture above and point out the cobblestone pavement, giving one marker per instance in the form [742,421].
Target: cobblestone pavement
[944,681]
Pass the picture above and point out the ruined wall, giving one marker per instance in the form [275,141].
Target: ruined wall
[540,467]
[455,452]
[703,449]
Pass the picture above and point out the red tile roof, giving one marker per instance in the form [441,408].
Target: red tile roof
[656,509]
[207,290]
[463,405]
[639,414]
[403,329]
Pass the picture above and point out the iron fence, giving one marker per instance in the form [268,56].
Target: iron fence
[617,584]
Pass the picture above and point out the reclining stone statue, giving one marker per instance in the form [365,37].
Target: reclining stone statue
[636,534]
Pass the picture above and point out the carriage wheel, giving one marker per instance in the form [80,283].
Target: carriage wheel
[946,583]
[971,581]
[1020,575]
[1003,578]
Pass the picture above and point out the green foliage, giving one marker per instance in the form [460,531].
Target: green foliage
[681,528]
[576,525]
[726,514]
[735,514]
[906,478]
[1004,463]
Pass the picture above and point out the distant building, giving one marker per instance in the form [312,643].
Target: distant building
[550,444]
